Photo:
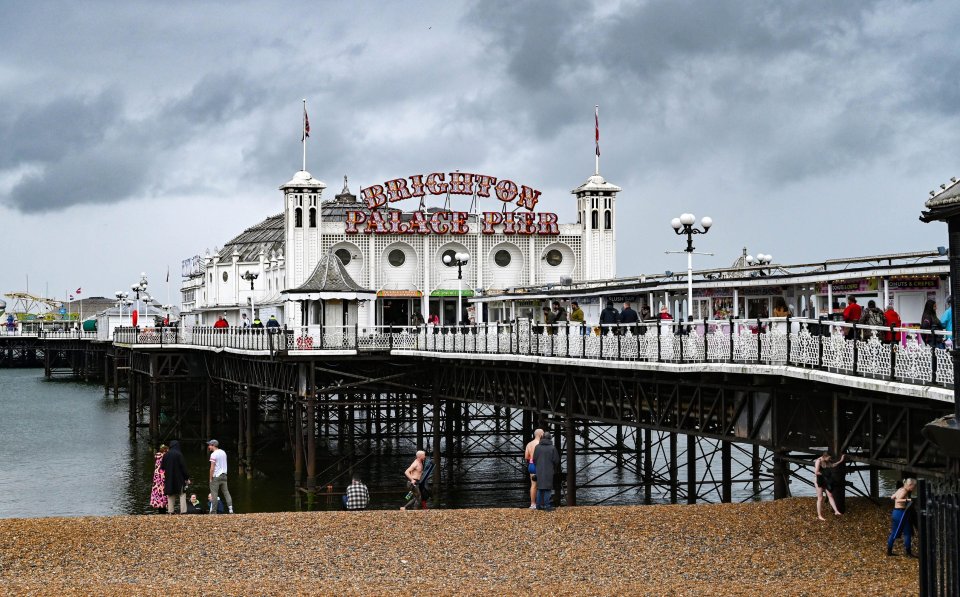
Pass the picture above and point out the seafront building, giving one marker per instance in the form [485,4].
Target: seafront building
[379,259]
[392,256]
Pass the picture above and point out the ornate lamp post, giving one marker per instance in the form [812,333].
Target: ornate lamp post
[250,277]
[138,289]
[121,301]
[684,225]
[460,260]
[760,259]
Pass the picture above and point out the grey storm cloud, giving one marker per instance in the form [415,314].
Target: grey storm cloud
[83,150]
[782,90]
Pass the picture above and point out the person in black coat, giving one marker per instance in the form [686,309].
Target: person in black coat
[176,478]
[608,316]
[546,459]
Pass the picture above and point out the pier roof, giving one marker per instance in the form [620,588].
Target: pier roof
[330,280]
[596,183]
[266,236]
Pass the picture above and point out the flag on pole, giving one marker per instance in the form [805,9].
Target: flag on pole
[78,290]
[168,273]
[306,124]
[596,119]
[71,297]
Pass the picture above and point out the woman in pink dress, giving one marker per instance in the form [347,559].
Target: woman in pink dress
[157,498]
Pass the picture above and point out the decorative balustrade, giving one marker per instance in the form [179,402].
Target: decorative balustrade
[897,354]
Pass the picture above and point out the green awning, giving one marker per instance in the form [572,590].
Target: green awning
[444,292]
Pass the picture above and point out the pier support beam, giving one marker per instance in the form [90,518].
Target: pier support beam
[726,476]
[781,473]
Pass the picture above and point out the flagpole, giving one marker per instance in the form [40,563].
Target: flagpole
[596,114]
[303,135]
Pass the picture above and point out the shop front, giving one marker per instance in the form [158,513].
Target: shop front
[399,307]
[443,304]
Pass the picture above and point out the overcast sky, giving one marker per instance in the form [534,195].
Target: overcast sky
[134,135]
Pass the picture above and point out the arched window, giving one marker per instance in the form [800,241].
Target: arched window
[298,218]
[607,220]
[595,220]
[313,217]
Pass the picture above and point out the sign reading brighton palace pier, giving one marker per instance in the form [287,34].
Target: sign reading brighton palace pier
[450,222]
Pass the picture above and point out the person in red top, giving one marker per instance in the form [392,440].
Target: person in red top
[852,313]
[221,323]
[893,319]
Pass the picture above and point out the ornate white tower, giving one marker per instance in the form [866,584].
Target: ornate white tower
[597,215]
[301,200]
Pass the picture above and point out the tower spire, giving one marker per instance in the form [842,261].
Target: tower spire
[306,133]
[596,120]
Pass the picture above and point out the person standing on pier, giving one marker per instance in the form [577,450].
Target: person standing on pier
[546,459]
[900,519]
[852,313]
[892,319]
[413,474]
[244,322]
[576,316]
[218,474]
[531,467]
[824,482]
[272,323]
[175,478]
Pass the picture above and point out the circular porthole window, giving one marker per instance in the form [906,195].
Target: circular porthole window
[225,276]
[453,258]
[502,258]
[344,256]
[396,257]
[554,257]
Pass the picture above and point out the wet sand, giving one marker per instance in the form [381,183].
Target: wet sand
[730,549]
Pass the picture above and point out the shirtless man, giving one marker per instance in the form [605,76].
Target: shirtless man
[528,458]
[413,474]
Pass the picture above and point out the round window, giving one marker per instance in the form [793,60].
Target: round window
[502,258]
[396,257]
[554,257]
[453,258]
[344,256]
[225,276]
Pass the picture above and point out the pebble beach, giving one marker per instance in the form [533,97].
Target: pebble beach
[770,548]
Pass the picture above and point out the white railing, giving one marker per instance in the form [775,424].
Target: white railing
[897,354]
[52,334]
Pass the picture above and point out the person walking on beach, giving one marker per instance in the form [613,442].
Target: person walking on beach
[357,496]
[218,475]
[900,520]
[824,482]
[157,498]
[531,467]
[546,459]
[175,478]
[413,474]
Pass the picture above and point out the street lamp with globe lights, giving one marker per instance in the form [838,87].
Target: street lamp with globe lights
[685,225]
[121,301]
[250,277]
[138,289]
[760,259]
[460,260]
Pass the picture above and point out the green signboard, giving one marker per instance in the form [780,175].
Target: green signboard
[443,292]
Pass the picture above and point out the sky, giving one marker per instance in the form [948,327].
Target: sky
[134,135]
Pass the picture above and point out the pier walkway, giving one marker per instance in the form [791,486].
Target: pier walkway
[818,350]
